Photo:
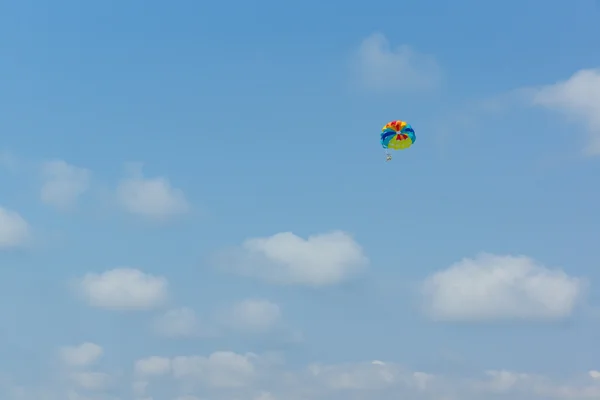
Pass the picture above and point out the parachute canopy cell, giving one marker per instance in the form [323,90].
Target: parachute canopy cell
[397,135]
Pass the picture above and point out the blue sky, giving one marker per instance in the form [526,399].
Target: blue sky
[195,203]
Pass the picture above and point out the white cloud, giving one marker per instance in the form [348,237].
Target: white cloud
[181,322]
[284,258]
[254,315]
[123,288]
[81,356]
[381,68]
[501,287]
[222,369]
[152,198]
[511,384]
[391,381]
[579,98]
[225,375]
[374,375]
[14,229]
[153,366]
[63,183]
[503,381]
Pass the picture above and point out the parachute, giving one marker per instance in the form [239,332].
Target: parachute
[397,135]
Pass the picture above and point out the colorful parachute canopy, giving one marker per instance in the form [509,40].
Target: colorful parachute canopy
[397,135]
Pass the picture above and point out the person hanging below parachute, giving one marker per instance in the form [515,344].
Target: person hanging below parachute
[397,135]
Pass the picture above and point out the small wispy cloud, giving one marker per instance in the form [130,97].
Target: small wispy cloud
[379,67]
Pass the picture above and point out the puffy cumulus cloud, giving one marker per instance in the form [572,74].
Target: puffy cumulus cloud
[374,375]
[382,68]
[75,382]
[153,198]
[82,355]
[491,287]
[578,98]
[505,383]
[226,375]
[391,381]
[14,229]
[63,183]
[284,258]
[222,369]
[253,315]
[124,289]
